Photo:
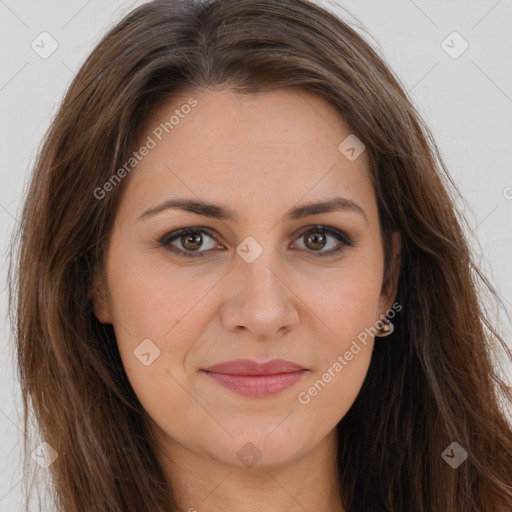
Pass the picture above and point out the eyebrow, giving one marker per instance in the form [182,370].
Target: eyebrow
[216,211]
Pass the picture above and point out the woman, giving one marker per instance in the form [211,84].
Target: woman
[241,281]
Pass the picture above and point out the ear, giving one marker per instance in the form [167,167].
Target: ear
[388,295]
[99,297]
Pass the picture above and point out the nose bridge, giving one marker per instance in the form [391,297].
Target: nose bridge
[259,299]
[259,267]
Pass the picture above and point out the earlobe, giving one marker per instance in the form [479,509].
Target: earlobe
[100,301]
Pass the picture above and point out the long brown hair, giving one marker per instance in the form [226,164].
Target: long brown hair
[431,383]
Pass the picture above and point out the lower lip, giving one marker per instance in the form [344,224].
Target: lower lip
[258,385]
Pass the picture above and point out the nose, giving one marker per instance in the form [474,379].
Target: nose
[260,298]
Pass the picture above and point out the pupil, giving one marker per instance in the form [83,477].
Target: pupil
[318,240]
[193,239]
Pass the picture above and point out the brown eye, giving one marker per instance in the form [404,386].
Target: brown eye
[189,241]
[315,241]
[193,242]
[318,238]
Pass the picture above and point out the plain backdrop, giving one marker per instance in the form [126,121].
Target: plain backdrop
[465,97]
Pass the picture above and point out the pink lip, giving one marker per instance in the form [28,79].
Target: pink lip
[251,378]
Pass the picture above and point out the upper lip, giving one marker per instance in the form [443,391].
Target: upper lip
[250,367]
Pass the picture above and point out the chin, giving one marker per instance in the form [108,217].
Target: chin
[261,448]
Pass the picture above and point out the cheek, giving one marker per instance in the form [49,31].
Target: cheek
[150,296]
[348,306]
[344,357]
[347,300]
[152,301]
[166,309]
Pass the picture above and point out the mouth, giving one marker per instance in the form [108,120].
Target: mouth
[251,378]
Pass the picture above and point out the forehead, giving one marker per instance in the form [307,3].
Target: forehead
[285,117]
[276,145]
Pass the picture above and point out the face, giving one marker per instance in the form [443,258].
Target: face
[259,274]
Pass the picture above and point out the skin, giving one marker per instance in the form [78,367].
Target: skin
[260,155]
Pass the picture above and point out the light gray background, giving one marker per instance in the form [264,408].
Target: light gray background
[467,103]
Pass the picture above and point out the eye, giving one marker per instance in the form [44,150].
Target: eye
[316,239]
[188,241]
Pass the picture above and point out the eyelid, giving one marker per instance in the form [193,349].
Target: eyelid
[165,241]
[183,231]
[337,233]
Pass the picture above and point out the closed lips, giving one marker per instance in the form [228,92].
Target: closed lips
[254,379]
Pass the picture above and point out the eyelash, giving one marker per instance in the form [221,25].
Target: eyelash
[166,240]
